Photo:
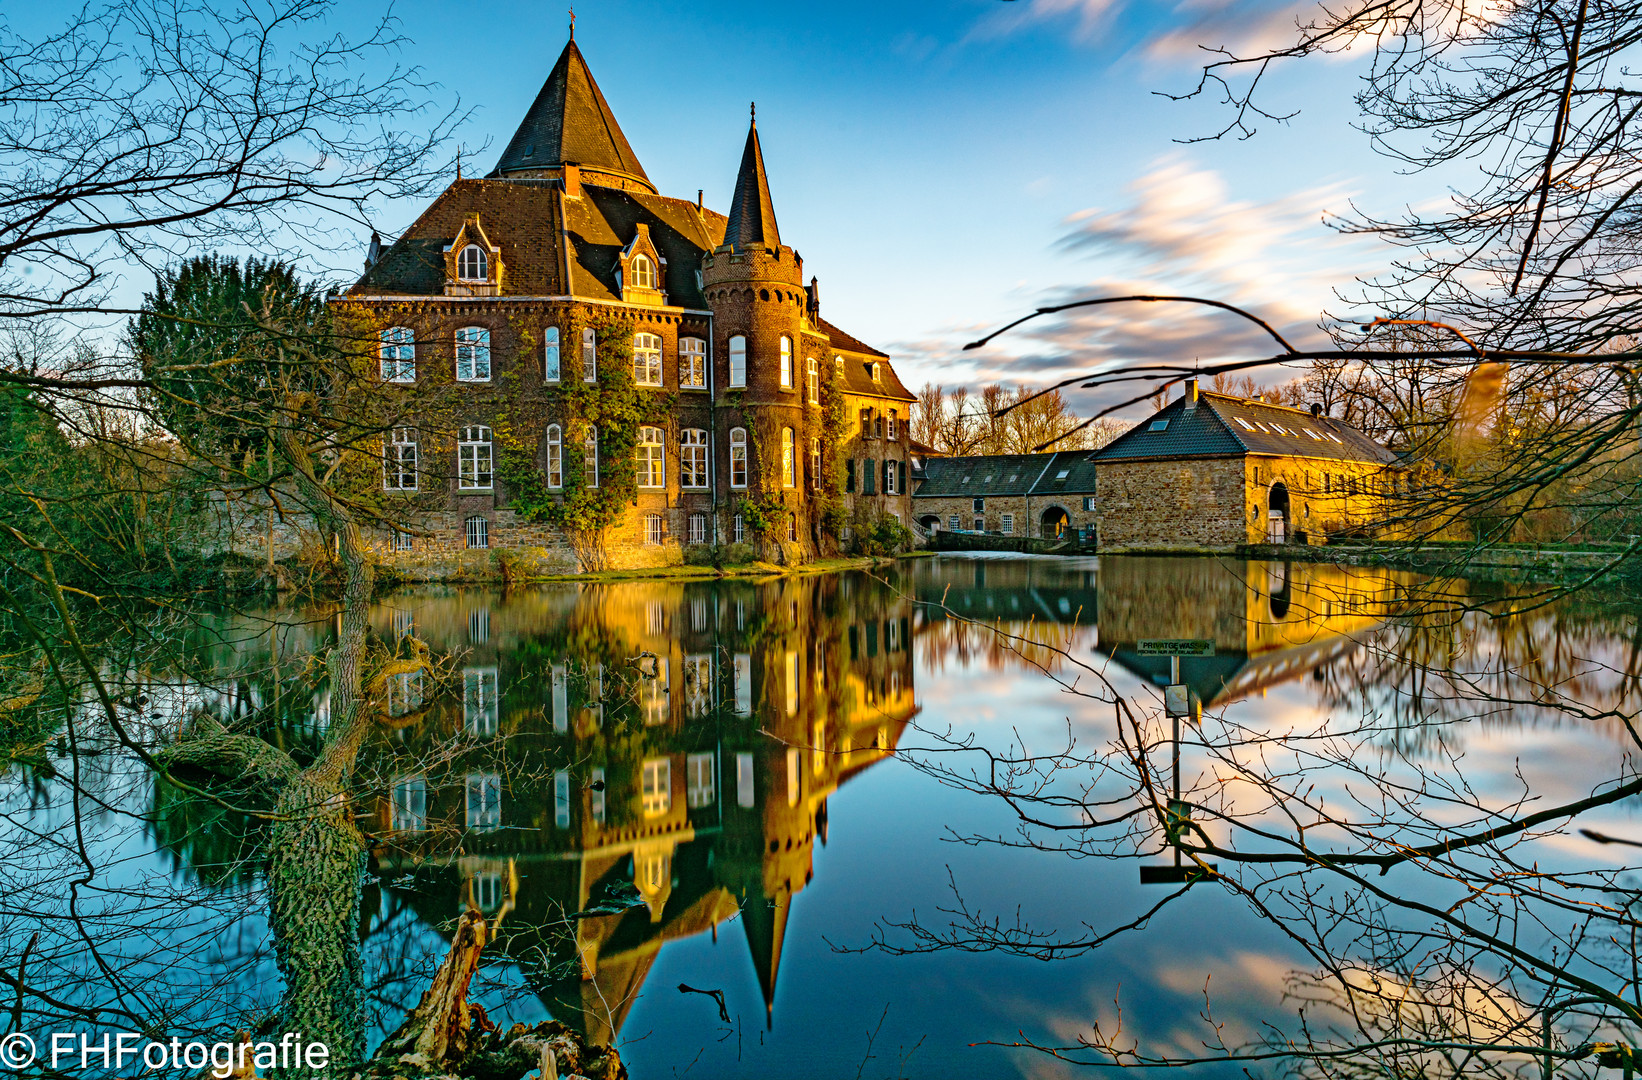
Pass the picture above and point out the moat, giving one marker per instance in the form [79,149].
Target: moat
[696,805]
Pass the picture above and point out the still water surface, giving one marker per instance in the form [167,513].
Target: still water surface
[718,785]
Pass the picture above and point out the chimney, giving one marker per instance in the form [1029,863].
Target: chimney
[373,254]
[814,297]
[572,180]
[1189,395]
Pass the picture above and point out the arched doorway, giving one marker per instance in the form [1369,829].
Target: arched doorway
[1054,523]
[1277,514]
[930,522]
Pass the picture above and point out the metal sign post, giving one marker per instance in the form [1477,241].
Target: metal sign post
[1178,701]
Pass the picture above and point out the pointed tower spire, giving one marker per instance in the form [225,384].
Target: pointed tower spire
[765,921]
[752,214]
[570,122]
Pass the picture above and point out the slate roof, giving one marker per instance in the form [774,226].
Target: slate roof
[571,121]
[752,214]
[551,245]
[1225,426]
[999,475]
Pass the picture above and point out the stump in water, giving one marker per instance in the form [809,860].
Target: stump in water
[448,1036]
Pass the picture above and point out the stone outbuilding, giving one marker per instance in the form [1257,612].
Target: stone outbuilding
[1045,495]
[1211,471]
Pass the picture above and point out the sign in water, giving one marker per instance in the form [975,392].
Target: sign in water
[1175,647]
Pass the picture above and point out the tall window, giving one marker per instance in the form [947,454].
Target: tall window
[477,531]
[812,380]
[652,472]
[889,477]
[866,423]
[590,355]
[647,359]
[555,457]
[792,528]
[738,530]
[788,466]
[484,801]
[699,789]
[473,458]
[698,528]
[643,272]
[399,460]
[473,354]
[410,804]
[877,372]
[786,360]
[656,786]
[815,462]
[398,352]
[590,455]
[692,363]
[738,459]
[692,458]
[480,700]
[653,529]
[738,361]
[550,354]
[472,265]
[894,415]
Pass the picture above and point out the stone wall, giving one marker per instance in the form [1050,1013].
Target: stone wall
[1179,504]
[1027,511]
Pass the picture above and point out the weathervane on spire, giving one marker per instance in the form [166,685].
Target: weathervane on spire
[572,24]
[754,108]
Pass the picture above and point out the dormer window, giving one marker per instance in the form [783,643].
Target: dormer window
[643,272]
[877,373]
[472,264]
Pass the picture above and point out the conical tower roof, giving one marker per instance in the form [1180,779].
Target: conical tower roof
[571,122]
[764,919]
[752,214]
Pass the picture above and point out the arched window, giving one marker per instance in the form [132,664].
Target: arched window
[550,354]
[590,455]
[692,363]
[473,354]
[647,359]
[788,479]
[643,272]
[555,457]
[838,364]
[738,361]
[652,472]
[877,372]
[815,462]
[692,458]
[398,352]
[786,360]
[472,265]
[812,379]
[473,457]
[738,457]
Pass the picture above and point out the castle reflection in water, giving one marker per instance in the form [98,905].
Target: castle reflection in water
[639,763]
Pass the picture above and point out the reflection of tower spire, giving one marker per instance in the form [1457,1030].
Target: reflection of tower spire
[765,921]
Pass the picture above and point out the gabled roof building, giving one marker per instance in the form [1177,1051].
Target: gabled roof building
[516,308]
[1044,495]
[1211,471]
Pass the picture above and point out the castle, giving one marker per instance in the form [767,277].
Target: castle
[612,376]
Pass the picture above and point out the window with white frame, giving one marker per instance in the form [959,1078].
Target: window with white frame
[815,462]
[738,361]
[473,459]
[952,523]
[656,786]
[738,530]
[550,354]
[699,789]
[472,264]
[692,363]
[479,701]
[477,532]
[894,416]
[596,796]
[399,460]
[560,691]
[647,359]
[786,361]
[838,366]
[479,626]
[555,456]
[398,353]
[698,528]
[743,684]
[484,801]
[654,530]
[891,473]
[473,354]
[1006,524]
[403,541]
[794,777]
[698,685]
[404,692]
[650,467]
[590,455]
[744,793]
[642,271]
[653,696]
[812,380]
[692,458]
[877,372]
[410,805]
[561,798]
[738,457]
[789,477]
[590,355]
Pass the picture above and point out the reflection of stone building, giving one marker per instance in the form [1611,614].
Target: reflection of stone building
[1270,622]
[1213,471]
[623,803]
